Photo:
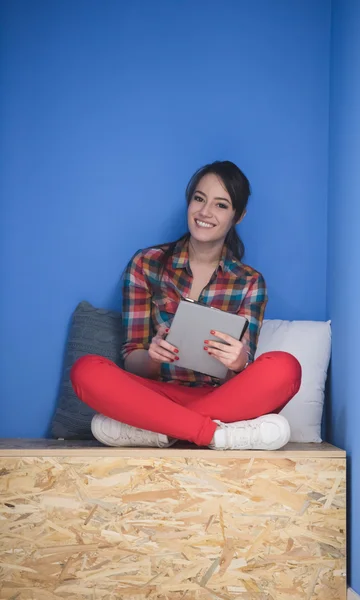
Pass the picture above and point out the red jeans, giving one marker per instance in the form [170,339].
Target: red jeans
[182,412]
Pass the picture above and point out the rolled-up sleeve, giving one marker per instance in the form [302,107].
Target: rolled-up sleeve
[136,308]
[253,308]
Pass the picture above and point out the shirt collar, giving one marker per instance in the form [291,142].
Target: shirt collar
[228,262]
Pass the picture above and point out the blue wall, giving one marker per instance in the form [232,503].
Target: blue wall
[107,109]
[344,252]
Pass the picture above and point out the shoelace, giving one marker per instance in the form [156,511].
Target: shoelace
[247,435]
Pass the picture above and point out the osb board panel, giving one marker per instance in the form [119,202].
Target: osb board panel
[45,447]
[172,528]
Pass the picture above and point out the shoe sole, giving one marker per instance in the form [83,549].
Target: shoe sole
[98,433]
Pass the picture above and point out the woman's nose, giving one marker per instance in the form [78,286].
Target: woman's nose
[205,210]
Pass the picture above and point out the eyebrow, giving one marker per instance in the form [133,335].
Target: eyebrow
[217,198]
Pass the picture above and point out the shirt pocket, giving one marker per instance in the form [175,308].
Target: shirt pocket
[163,310]
[229,305]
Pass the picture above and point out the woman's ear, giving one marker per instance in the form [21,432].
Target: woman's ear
[241,218]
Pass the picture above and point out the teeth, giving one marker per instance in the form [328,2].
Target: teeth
[202,224]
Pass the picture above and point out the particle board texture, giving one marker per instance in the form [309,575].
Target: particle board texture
[82,521]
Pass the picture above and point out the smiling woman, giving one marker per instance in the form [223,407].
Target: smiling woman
[217,197]
[137,405]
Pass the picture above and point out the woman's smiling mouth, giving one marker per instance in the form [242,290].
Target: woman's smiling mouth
[203,223]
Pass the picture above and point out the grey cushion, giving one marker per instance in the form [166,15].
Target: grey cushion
[92,331]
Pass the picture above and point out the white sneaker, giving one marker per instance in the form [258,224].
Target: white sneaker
[269,432]
[113,433]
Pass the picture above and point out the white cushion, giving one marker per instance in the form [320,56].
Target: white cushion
[310,343]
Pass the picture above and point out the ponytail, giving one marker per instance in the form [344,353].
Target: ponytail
[235,243]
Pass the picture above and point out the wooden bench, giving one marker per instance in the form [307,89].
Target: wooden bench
[82,521]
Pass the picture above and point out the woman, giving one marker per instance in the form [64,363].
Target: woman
[153,402]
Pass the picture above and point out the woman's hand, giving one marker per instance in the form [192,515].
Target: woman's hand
[232,354]
[160,351]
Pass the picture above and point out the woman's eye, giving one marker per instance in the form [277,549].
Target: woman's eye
[198,198]
[222,205]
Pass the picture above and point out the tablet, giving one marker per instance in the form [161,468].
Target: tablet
[191,326]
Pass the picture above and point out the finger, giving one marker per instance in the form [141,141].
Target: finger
[167,346]
[157,346]
[229,358]
[158,353]
[227,338]
[159,342]
[226,348]
[160,359]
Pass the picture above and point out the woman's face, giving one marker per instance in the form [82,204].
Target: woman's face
[210,212]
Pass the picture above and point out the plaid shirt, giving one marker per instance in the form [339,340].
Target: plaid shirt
[150,301]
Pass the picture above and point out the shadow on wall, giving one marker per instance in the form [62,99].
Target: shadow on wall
[336,431]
